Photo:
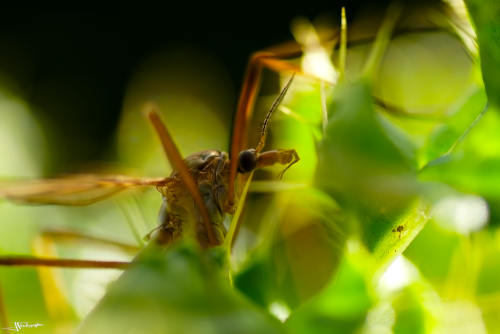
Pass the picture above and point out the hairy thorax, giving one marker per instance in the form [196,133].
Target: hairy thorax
[179,213]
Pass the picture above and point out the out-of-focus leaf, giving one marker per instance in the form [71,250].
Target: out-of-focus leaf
[432,252]
[342,306]
[400,140]
[424,73]
[463,271]
[358,163]
[299,253]
[474,165]
[410,317]
[361,166]
[486,17]
[179,290]
[444,136]
[488,285]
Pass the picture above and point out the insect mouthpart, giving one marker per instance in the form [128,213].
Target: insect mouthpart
[247,161]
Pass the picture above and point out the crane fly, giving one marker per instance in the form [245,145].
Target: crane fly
[197,195]
[200,192]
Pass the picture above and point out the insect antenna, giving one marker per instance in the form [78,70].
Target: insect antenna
[274,106]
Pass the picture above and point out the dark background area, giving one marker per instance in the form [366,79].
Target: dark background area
[72,66]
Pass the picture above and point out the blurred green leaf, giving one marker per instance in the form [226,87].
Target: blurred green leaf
[486,17]
[445,136]
[178,290]
[488,285]
[410,316]
[307,225]
[474,165]
[358,163]
[432,252]
[362,164]
[342,306]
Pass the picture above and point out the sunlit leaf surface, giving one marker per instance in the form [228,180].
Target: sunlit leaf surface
[179,290]
[486,17]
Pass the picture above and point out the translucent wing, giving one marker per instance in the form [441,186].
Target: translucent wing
[72,190]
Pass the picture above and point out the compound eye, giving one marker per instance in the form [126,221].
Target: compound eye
[247,161]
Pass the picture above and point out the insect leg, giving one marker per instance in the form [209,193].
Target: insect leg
[60,263]
[61,236]
[283,157]
[175,159]
[273,59]
[50,279]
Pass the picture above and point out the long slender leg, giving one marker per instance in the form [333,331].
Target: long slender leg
[283,157]
[77,237]
[175,159]
[43,248]
[50,279]
[61,263]
[273,59]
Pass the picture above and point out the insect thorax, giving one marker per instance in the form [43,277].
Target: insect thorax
[210,171]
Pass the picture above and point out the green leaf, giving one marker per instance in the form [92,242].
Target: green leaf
[307,225]
[446,135]
[486,17]
[474,165]
[392,236]
[488,285]
[178,290]
[370,174]
[432,252]
[357,162]
[410,314]
[342,306]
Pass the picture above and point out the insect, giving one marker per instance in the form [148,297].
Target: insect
[399,229]
[199,192]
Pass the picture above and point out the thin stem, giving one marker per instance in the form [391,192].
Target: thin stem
[233,229]
[382,40]
[343,44]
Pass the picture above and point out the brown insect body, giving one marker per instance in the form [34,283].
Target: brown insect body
[198,194]
[210,171]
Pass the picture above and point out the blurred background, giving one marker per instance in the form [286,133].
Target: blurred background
[73,67]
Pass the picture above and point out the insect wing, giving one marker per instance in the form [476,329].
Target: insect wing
[72,190]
